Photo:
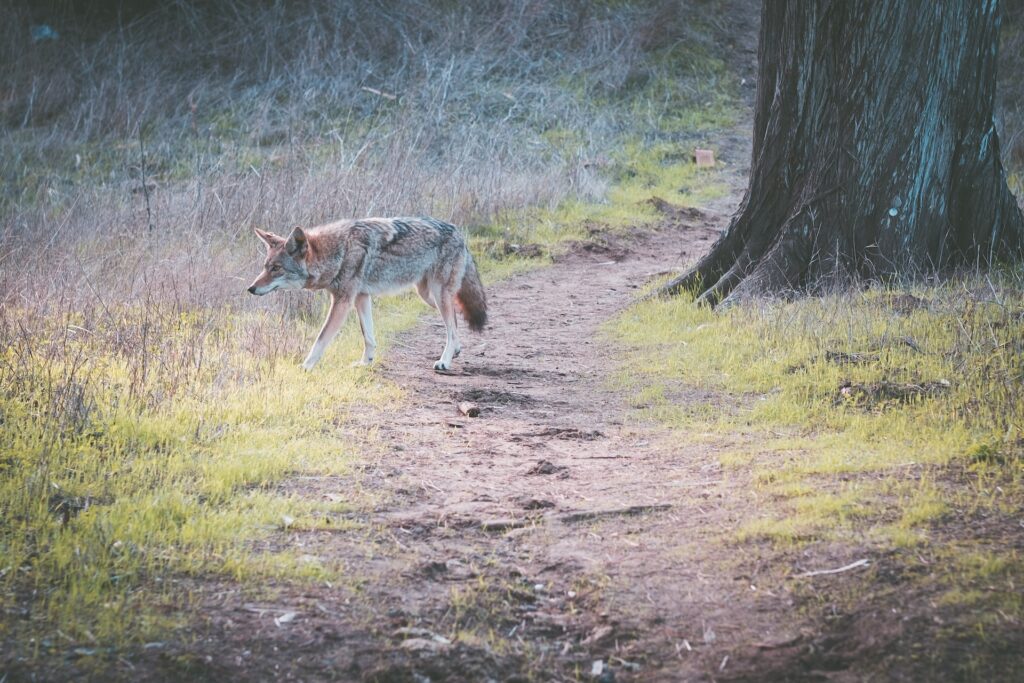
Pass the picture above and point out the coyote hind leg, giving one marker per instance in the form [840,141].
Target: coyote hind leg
[446,306]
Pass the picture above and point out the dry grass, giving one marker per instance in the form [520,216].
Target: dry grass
[152,151]
[148,408]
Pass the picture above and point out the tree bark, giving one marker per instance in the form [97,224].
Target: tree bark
[874,151]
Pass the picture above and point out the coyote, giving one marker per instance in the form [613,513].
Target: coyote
[354,259]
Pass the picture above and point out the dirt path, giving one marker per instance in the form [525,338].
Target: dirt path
[555,535]
[576,530]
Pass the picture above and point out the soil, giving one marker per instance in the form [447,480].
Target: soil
[555,536]
[552,531]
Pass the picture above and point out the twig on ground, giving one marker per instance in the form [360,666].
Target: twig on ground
[595,514]
[145,186]
[853,565]
[380,93]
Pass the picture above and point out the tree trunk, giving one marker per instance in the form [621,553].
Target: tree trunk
[874,149]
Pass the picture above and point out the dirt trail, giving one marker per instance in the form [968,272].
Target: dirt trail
[584,522]
[553,531]
[607,506]
[555,535]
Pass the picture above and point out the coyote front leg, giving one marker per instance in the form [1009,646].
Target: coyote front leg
[340,306]
[364,309]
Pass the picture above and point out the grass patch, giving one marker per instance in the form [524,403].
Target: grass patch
[639,173]
[889,422]
[880,388]
[122,464]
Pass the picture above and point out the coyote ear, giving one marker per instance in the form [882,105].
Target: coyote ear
[297,242]
[268,238]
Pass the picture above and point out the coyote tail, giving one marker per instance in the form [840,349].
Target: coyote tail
[471,297]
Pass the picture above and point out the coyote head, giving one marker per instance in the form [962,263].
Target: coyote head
[285,267]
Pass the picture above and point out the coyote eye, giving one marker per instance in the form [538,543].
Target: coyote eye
[274,268]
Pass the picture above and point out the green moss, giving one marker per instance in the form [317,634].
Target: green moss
[1016,183]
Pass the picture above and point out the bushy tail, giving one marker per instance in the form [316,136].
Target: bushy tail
[471,297]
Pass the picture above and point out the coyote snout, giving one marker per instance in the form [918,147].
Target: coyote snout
[286,263]
[354,259]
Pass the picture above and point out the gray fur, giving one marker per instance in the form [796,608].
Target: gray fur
[357,259]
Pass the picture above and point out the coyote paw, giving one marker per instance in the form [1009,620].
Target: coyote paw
[363,362]
[441,366]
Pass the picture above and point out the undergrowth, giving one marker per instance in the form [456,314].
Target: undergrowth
[887,422]
[136,453]
[151,413]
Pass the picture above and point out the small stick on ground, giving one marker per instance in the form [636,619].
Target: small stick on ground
[595,514]
[853,565]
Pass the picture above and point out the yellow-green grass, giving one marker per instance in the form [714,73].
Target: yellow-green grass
[779,365]
[771,366]
[115,476]
[144,442]
[641,172]
[861,467]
